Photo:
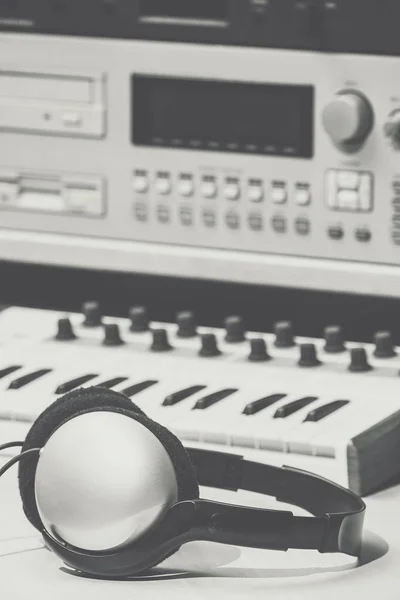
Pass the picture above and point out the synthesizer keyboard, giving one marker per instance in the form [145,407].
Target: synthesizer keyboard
[324,405]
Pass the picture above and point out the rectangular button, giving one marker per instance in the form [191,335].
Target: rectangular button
[279,193]
[302,196]
[348,180]
[72,119]
[330,190]
[348,200]
[366,193]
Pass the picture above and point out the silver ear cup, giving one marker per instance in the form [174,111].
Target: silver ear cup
[103,479]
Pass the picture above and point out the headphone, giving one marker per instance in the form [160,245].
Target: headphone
[114,493]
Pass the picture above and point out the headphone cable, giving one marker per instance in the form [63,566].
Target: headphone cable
[11,445]
[17,458]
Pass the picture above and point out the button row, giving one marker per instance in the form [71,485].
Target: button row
[349,191]
[232,188]
[396,213]
[210,218]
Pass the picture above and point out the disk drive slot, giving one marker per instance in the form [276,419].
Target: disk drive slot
[46,87]
[69,104]
[39,185]
[40,194]
[77,195]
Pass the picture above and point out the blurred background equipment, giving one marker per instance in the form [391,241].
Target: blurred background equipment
[250,141]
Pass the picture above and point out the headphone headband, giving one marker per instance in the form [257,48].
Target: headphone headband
[335,527]
[338,512]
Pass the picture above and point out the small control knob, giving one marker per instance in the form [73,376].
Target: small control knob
[92,313]
[284,337]
[112,336]
[392,128]
[308,356]
[186,325]
[139,319]
[259,351]
[384,347]
[359,361]
[209,346]
[348,118]
[65,332]
[235,331]
[160,341]
[334,340]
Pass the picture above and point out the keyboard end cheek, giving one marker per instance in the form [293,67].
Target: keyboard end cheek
[373,456]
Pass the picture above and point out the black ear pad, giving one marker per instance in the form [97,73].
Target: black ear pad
[58,415]
[49,420]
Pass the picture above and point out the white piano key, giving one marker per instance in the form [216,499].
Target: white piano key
[298,440]
[368,412]
[150,399]
[28,402]
[210,424]
[168,415]
[266,431]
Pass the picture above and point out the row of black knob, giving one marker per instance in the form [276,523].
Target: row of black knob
[209,346]
[236,333]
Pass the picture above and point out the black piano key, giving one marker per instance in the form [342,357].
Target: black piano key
[138,387]
[9,371]
[293,407]
[324,411]
[21,382]
[255,407]
[68,386]
[177,397]
[111,382]
[212,399]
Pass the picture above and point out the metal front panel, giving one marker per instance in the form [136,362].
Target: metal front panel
[212,223]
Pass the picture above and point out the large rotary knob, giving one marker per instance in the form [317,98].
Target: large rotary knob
[348,119]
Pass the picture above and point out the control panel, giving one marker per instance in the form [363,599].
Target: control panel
[247,164]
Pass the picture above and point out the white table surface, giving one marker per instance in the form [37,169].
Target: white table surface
[27,570]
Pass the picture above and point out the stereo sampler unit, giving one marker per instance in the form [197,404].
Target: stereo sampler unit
[254,141]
